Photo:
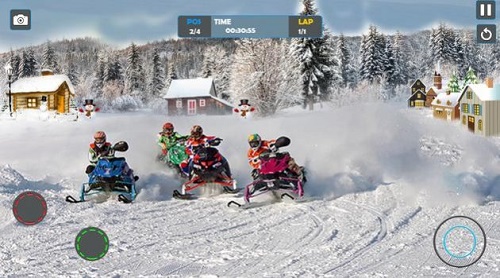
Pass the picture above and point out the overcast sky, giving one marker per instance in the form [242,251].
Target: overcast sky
[119,22]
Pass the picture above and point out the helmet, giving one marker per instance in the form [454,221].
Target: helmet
[254,141]
[168,126]
[196,131]
[100,137]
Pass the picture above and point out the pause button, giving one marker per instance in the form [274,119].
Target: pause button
[485,9]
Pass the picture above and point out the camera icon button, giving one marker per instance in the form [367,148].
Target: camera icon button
[20,19]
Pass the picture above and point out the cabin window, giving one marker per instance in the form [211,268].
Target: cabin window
[469,94]
[202,102]
[438,101]
[419,95]
[31,102]
[463,119]
[477,109]
[480,125]
[465,108]
[413,89]
[178,103]
[448,103]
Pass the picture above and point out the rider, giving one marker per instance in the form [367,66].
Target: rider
[259,146]
[196,140]
[99,148]
[168,138]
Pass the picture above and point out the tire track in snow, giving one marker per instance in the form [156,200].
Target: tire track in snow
[381,234]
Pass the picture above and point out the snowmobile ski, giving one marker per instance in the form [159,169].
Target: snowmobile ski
[180,196]
[126,200]
[72,200]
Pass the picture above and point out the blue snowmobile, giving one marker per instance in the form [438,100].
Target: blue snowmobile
[111,174]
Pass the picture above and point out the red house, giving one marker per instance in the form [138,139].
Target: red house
[195,97]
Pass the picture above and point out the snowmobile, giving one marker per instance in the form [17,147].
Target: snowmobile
[176,154]
[208,169]
[274,176]
[111,174]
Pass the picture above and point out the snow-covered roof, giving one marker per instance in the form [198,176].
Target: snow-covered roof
[223,101]
[416,92]
[444,98]
[44,84]
[184,88]
[484,93]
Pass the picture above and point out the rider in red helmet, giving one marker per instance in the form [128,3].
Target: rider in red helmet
[167,138]
[99,148]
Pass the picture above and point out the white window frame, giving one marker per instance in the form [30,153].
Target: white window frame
[178,103]
[202,102]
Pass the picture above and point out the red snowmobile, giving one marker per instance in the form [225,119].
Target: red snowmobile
[207,168]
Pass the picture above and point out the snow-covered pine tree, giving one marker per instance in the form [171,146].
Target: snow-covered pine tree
[28,64]
[453,85]
[14,61]
[208,63]
[172,74]
[49,58]
[99,74]
[345,68]
[459,56]
[373,55]
[315,63]
[71,70]
[401,60]
[157,82]
[441,44]
[113,70]
[134,74]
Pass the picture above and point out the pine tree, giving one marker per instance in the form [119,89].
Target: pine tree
[453,84]
[113,69]
[373,56]
[158,78]
[14,61]
[441,44]
[49,58]
[28,64]
[134,75]
[71,70]
[172,74]
[459,56]
[401,60]
[315,62]
[99,74]
[470,77]
[346,70]
[208,63]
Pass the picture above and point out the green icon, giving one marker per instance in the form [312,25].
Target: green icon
[92,244]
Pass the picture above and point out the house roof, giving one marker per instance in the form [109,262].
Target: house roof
[444,98]
[223,101]
[185,88]
[413,84]
[43,84]
[418,91]
[486,94]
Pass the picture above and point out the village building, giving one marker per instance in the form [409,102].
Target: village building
[54,90]
[195,97]
[480,108]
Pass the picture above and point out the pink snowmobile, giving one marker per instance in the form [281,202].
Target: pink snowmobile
[274,176]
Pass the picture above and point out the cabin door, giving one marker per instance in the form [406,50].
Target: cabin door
[191,107]
[60,104]
[471,123]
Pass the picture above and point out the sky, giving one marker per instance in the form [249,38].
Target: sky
[150,20]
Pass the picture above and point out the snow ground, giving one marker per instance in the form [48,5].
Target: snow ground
[381,179]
